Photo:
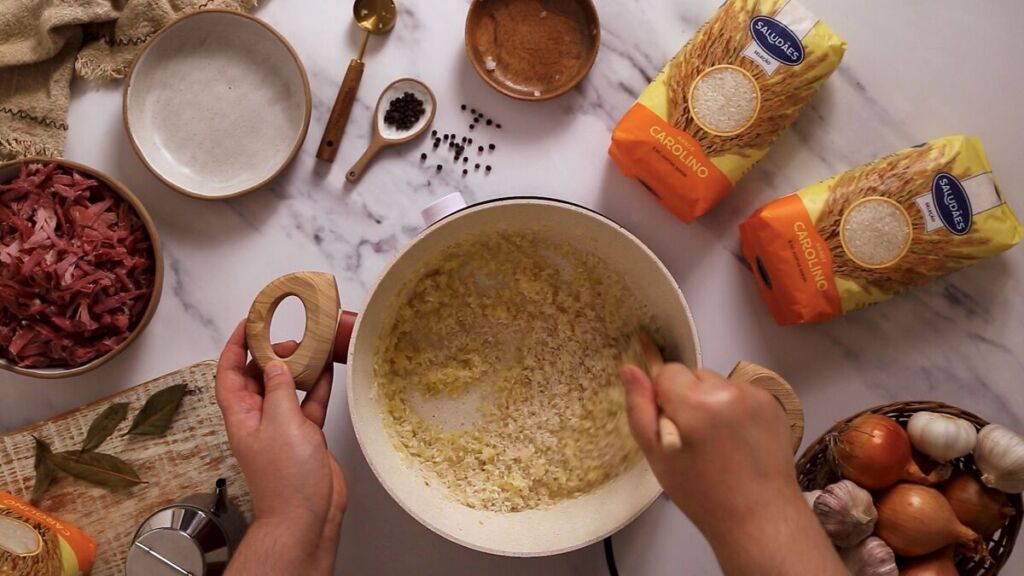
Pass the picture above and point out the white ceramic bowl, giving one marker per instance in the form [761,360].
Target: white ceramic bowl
[217,104]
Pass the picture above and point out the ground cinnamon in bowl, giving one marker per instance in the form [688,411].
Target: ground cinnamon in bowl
[532,49]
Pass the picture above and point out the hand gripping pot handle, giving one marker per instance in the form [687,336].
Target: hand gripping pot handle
[318,292]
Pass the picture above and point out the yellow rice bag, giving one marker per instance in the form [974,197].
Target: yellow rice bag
[718,106]
[870,233]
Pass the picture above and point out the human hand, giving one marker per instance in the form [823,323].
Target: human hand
[734,475]
[298,489]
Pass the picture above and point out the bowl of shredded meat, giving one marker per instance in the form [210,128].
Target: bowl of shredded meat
[80,268]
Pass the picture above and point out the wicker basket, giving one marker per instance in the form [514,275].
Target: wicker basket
[815,471]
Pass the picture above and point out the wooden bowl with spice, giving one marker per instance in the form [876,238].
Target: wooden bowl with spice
[81,267]
[822,462]
[532,49]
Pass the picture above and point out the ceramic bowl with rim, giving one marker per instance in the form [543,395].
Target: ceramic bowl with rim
[8,172]
[217,104]
[532,49]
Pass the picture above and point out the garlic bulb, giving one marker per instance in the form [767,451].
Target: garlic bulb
[1000,457]
[846,512]
[810,497]
[941,436]
[872,557]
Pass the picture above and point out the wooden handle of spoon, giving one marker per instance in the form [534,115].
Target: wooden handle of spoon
[335,129]
[371,151]
[318,292]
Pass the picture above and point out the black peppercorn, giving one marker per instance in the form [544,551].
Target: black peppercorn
[465,160]
[476,167]
[445,137]
[491,147]
[464,172]
[423,156]
[471,126]
[480,149]
[498,126]
[489,122]
[433,134]
[463,106]
[473,111]
[439,167]
[488,168]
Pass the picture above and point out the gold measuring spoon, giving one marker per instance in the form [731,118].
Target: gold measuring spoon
[375,17]
[385,135]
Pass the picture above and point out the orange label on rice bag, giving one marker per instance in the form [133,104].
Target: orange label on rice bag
[669,162]
[54,537]
[791,262]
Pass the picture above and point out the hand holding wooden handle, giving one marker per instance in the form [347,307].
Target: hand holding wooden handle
[335,129]
[318,292]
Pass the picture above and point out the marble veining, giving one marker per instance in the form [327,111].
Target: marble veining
[959,340]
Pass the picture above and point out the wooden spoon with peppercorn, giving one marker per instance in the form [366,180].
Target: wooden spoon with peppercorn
[404,112]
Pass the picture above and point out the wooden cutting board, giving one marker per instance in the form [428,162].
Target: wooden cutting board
[187,460]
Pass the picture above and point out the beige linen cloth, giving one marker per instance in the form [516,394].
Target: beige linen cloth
[43,43]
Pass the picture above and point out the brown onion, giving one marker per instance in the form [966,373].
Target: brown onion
[874,452]
[916,520]
[978,507]
[938,564]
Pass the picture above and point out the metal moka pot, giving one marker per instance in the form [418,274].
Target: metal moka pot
[193,537]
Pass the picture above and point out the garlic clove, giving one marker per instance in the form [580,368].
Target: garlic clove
[872,557]
[940,436]
[1000,457]
[846,512]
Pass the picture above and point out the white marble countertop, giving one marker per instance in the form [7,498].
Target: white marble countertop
[915,70]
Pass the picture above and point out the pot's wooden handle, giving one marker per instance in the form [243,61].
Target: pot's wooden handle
[371,151]
[318,292]
[335,129]
[783,392]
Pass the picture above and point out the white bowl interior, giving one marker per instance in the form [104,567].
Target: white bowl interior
[573,523]
[396,90]
[217,104]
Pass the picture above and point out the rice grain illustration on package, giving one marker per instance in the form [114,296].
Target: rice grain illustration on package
[870,233]
[718,106]
[33,543]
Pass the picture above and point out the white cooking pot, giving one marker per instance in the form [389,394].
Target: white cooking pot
[566,526]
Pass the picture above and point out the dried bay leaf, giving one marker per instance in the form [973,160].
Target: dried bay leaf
[157,414]
[44,470]
[104,425]
[97,468]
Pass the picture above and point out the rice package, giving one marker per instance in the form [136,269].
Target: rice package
[870,233]
[718,106]
[33,543]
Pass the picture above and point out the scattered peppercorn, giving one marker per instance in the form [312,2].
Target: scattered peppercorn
[480,149]
[463,106]
[473,111]
[465,160]
[445,137]
[471,126]
[439,167]
[477,166]
[488,168]
[489,121]
[433,134]
[498,126]
[464,172]
[423,156]
[491,147]
[404,112]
